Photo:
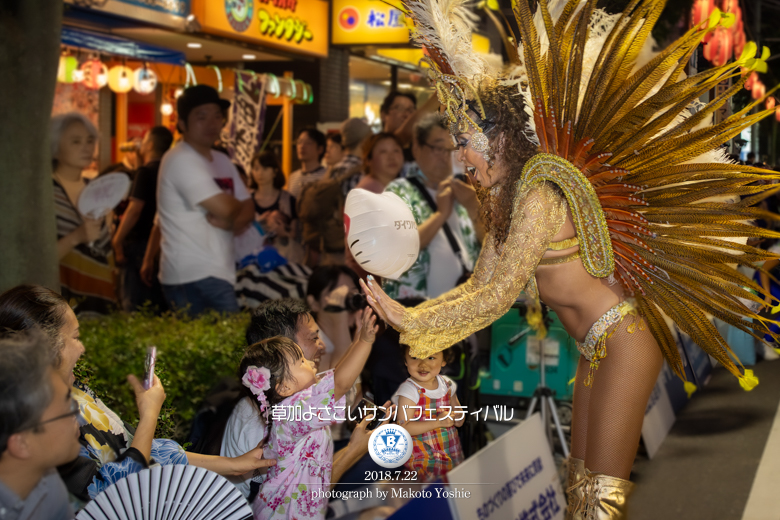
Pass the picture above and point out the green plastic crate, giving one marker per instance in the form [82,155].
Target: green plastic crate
[514,369]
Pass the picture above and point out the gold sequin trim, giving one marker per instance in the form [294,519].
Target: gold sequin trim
[560,259]
[594,348]
[501,275]
[589,220]
[564,244]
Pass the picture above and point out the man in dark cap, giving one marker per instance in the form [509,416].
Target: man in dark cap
[202,202]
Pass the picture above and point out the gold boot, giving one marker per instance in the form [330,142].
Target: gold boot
[575,473]
[604,498]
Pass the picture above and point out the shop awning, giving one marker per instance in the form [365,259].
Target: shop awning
[117,46]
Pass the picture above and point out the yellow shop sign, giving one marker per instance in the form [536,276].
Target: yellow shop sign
[291,25]
[367,22]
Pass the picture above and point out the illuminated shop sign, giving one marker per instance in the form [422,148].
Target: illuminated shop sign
[292,25]
[367,22]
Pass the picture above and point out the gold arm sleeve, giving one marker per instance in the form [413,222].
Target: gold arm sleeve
[538,215]
[483,271]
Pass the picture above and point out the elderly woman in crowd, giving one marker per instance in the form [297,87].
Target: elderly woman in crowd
[83,243]
[110,448]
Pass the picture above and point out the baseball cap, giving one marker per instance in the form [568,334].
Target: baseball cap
[196,96]
[353,131]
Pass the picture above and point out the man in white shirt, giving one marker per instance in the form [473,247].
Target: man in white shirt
[202,203]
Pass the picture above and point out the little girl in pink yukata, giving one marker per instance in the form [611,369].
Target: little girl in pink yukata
[277,373]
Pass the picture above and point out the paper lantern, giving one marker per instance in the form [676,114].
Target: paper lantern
[166,109]
[752,78]
[777,114]
[68,65]
[120,79]
[144,81]
[759,90]
[770,103]
[701,11]
[719,49]
[381,233]
[95,74]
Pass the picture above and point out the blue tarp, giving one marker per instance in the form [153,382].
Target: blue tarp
[120,46]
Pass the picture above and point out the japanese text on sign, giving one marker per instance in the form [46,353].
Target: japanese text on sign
[509,489]
[391,18]
[290,28]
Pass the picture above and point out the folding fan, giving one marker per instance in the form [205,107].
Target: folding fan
[169,492]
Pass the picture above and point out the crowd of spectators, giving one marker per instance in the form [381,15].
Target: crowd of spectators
[179,241]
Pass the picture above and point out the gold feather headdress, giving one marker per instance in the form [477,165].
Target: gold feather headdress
[643,159]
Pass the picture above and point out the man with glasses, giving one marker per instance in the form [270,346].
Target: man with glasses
[447,215]
[38,430]
[399,115]
[202,202]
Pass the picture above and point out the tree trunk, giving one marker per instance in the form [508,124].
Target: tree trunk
[29,54]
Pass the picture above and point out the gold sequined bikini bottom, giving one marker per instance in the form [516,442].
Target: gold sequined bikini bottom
[594,348]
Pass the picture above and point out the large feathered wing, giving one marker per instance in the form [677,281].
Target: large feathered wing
[675,208]
[672,211]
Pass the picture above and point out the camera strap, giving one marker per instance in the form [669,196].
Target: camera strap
[417,183]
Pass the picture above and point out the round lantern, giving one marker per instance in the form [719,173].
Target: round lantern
[166,109]
[777,114]
[719,49]
[144,81]
[120,79]
[759,90]
[68,65]
[701,11]
[770,103]
[752,78]
[95,74]
[381,233]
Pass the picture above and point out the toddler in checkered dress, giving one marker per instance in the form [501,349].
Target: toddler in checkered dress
[427,406]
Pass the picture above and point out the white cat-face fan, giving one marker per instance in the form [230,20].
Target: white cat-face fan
[381,233]
[175,492]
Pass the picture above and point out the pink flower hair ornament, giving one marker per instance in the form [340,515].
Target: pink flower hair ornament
[258,380]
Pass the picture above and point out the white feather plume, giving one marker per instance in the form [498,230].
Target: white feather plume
[447,25]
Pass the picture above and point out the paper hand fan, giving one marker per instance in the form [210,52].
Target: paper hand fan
[103,194]
[175,492]
[381,233]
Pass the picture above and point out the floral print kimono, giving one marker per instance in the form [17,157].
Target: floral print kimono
[106,455]
[303,450]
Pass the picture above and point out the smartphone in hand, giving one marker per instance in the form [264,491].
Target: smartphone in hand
[151,358]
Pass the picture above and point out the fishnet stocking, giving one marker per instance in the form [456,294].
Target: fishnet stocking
[607,418]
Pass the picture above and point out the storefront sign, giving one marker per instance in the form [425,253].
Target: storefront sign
[244,132]
[517,478]
[367,22]
[292,25]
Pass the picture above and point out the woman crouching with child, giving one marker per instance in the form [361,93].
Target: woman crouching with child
[427,408]
[277,373]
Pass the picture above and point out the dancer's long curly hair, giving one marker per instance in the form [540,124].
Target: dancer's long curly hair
[510,150]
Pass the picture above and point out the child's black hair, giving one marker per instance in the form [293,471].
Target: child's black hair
[449,353]
[275,354]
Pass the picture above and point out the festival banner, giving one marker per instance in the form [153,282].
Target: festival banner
[244,131]
[513,477]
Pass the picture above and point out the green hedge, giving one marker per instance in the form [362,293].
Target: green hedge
[193,355]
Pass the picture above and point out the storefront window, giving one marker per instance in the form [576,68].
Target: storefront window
[369,83]
[415,82]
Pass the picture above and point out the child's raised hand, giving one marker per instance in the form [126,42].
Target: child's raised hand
[367,327]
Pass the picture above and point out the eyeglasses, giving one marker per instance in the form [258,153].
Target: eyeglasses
[74,411]
[402,109]
[441,150]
